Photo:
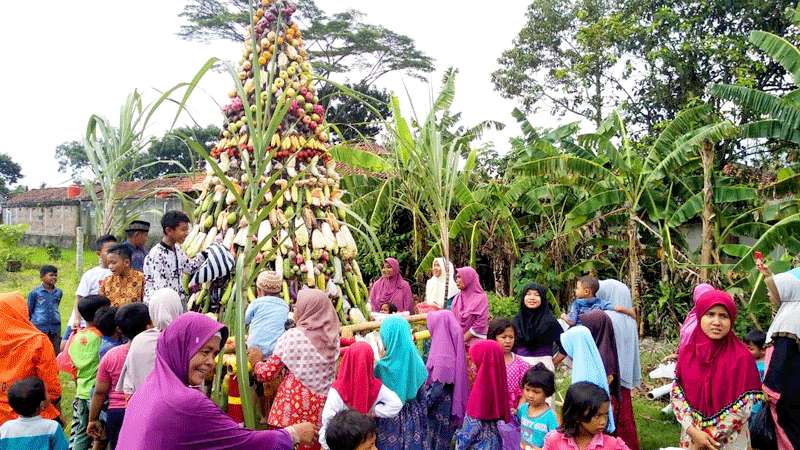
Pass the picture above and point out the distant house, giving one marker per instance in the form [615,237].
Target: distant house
[53,214]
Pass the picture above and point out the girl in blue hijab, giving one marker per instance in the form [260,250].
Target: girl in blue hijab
[587,365]
[401,369]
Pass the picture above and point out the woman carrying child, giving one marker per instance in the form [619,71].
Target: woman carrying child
[584,421]
[357,388]
[401,369]
[783,355]
[447,386]
[716,380]
[626,336]
[488,400]
[306,357]
[537,327]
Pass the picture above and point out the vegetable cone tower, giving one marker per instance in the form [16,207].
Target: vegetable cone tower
[303,237]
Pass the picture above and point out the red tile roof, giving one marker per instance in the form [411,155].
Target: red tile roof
[163,187]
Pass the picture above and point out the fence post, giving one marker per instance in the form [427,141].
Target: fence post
[79,250]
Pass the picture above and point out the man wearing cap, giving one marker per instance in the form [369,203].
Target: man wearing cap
[135,239]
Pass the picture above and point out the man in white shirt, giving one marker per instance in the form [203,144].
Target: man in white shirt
[90,282]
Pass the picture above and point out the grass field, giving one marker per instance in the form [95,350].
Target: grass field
[68,280]
[655,429]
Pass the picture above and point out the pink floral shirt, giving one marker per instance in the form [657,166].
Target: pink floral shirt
[515,372]
[555,440]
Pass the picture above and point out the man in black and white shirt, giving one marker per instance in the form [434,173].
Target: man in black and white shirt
[166,263]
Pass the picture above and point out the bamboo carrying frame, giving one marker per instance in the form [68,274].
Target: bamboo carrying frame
[348,331]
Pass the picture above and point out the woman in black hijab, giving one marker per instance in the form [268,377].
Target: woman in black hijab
[537,327]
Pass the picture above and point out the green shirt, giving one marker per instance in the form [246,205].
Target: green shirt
[84,352]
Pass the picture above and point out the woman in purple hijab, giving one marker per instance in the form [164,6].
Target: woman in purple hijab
[471,305]
[169,411]
[447,388]
[391,288]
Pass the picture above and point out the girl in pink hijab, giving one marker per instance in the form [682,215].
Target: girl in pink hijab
[391,288]
[471,305]
[690,323]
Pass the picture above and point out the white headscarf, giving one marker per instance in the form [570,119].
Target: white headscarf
[626,332]
[165,306]
[435,287]
[787,321]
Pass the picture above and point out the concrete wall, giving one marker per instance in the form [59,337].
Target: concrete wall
[53,224]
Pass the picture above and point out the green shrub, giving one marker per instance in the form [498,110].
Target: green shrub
[502,306]
[53,252]
[10,248]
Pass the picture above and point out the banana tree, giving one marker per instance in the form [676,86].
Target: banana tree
[623,177]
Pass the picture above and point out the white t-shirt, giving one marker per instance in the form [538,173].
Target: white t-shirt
[388,404]
[89,285]
[90,281]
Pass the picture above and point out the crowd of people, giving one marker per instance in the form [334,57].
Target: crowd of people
[142,365]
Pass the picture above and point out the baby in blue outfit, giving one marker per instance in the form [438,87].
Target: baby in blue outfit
[585,300]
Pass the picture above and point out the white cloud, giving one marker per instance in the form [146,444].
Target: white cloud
[67,60]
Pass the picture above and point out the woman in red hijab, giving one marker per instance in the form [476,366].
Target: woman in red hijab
[488,399]
[357,388]
[716,380]
[391,288]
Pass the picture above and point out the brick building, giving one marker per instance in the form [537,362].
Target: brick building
[53,214]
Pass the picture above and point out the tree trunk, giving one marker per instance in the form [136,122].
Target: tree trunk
[499,279]
[707,156]
[633,266]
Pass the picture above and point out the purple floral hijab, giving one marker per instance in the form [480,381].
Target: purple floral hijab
[166,413]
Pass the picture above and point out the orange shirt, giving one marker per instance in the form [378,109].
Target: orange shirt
[24,352]
[123,289]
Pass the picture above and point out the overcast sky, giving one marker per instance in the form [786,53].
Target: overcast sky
[66,60]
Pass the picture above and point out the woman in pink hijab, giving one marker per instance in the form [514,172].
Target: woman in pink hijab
[391,288]
[690,323]
[471,305]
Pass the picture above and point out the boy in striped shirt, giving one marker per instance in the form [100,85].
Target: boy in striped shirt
[30,431]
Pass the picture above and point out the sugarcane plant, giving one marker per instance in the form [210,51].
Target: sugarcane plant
[271,194]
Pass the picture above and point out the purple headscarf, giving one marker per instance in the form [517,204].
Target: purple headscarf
[165,413]
[393,290]
[690,323]
[471,305]
[447,359]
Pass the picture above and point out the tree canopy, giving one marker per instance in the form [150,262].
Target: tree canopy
[168,154]
[10,173]
[340,43]
[653,58]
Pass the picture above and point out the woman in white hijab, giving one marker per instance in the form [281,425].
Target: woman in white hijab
[439,290]
[781,383]
[165,306]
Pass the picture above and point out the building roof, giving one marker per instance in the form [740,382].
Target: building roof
[162,187]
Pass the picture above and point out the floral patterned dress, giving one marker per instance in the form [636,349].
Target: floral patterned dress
[408,430]
[515,371]
[294,402]
[478,435]
[441,426]
[728,426]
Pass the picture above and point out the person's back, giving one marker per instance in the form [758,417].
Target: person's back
[266,317]
[33,355]
[30,431]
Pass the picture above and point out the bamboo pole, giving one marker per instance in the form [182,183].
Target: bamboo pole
[348,331]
